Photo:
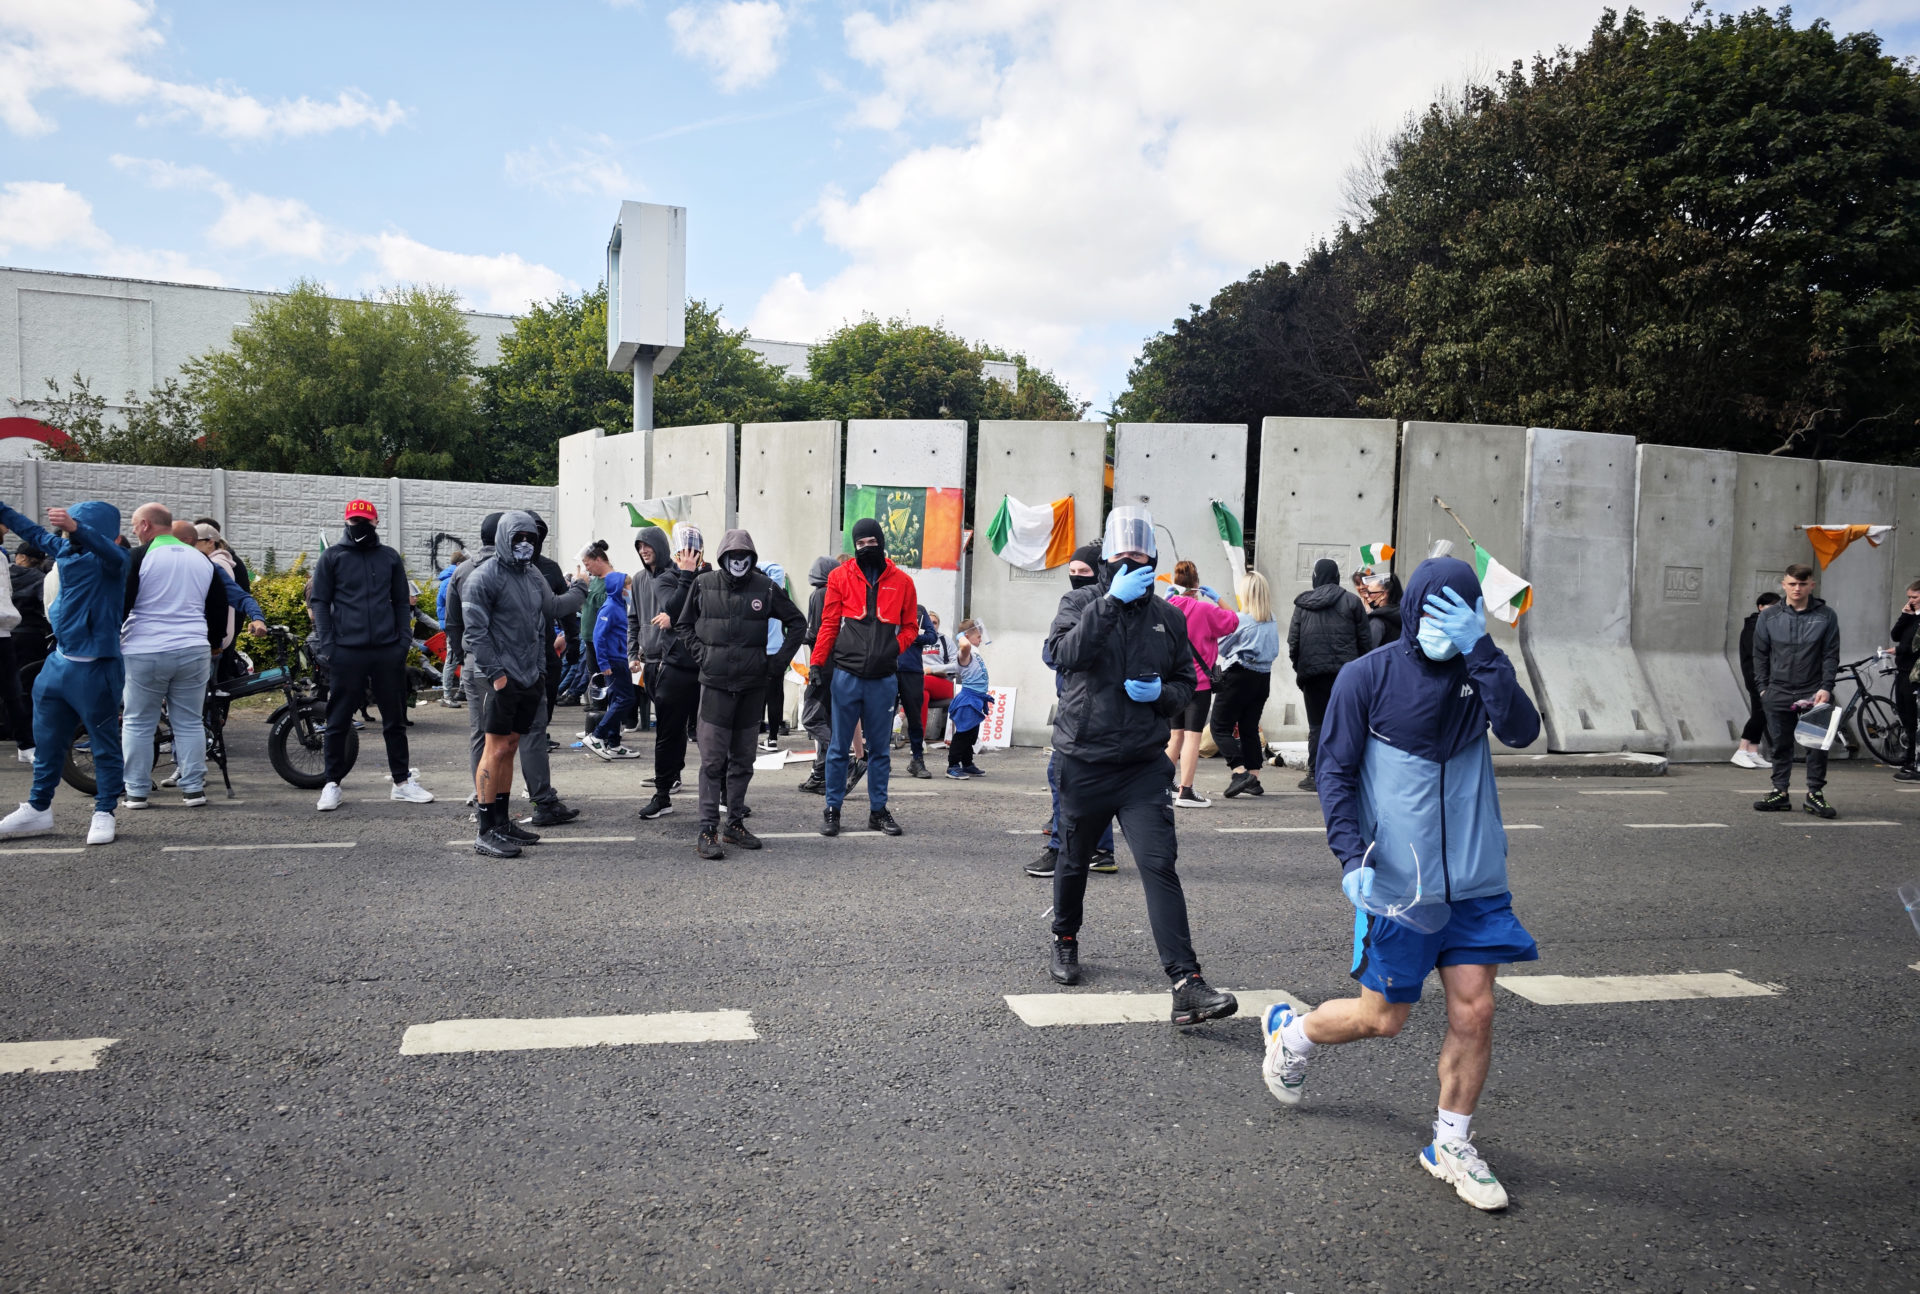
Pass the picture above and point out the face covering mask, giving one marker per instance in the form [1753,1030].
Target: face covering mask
[523,551]
[360,530]
[1121,566]
[1081,581]
[737,566]
[1434,642]
[872,559]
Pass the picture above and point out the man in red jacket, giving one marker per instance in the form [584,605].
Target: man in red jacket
[871,615]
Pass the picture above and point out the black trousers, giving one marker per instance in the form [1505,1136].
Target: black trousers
[1756,719]
[729,722]
[350,670]
[19,716]
[1317,691]
[1780,735]
[960,748]
[1239,695]
[1140,796]
[913,691]
[816,712]
[676,693]
[776,704]
[1906,701]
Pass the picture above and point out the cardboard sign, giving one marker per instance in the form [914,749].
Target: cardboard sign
[996,730]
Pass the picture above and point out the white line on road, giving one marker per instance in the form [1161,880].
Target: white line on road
[1674,826]
[1848,822]
[52,1057]
[566,840]
[846,833]
[47,849]
[1271,831]
[1646,792]
[1568,990]
[1042,1010]
[305,844]
[443,1036]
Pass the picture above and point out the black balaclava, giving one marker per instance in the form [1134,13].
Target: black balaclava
[1325,571]
[872,560]
[1090,554]
[540,533]
[490,527]
[361,533]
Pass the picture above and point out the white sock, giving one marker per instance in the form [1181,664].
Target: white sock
[1452,1127]
[1294,1034]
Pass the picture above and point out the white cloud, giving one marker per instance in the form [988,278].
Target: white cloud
[739,39]
[249,221]
[93,48]
[592,168]
[39,216]
[504,283]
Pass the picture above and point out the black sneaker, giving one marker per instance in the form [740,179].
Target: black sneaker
[1776,802]
[552,814]
[518,834]
[816,783]
[737,834]
[973,770]
[830,822]
[193,799]
[1253,784]
[1238,783]
[1907,774]
[918,768]
[492,844]
[708,846]
[658,806]
[882,820]
[1194,1001]
[136,801]
[1044,865]
[1065,966]
[856,770]
[1104,862]
[1308,784]
[1817,805]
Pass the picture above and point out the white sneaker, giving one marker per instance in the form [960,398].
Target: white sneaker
[329,797]
[597,746]
[1458,1162]
[412,792]
[621,752]
[767,747]
[25,756]
[1191,799]
[171,779]
[100,832]
[1748,759]
[1286,1073]
[27,821]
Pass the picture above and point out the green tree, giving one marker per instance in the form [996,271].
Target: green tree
[162,430]
[718,379]
[376,387]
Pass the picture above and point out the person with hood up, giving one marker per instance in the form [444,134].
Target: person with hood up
[1329,629]
[1126,670]
[1796,658]
[870,614]
[723,625]
[609,642]
[1413,816]
[816,701]
[659,660]
[776,678]
[1080,575]
[81,682]
[508,610]
[362,627]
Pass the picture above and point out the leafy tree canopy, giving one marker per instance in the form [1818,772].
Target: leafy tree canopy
[900,369]
[162,430]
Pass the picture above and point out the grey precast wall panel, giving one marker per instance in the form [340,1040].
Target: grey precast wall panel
[1036,463]
[620,474]
[915,452]
[573,499]
[1326,488]
[1772,498]
[1577,537]
[1175,470]
[698,461]
[1682,590]
[1859,585]
[790,493]
[1906,540]
[1481,471]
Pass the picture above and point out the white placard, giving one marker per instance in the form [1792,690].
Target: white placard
[996,730]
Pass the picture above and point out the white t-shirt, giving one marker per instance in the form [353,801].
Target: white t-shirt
[170,611]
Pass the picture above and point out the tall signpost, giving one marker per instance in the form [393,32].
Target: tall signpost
[646,297]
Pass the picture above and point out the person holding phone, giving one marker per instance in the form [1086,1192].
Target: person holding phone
[1906,694]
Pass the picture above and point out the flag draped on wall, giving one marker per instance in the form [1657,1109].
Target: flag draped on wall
[1030,536]
[664,513]
[920,526]
[1830,541]
[1231,538]
[1507,595]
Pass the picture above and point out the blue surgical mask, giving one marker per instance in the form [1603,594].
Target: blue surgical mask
[523,551]
[1434,641]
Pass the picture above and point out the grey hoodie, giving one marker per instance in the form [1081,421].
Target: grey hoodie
[662,590]
[508,609]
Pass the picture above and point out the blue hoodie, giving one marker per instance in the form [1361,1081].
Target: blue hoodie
[93,577]
[445,578]
[610,626]
[1404,763]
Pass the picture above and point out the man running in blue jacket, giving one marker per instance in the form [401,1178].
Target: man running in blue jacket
[1406,784]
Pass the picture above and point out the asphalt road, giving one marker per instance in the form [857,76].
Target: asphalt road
[893,1124]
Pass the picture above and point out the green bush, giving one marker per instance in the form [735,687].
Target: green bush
[283,596]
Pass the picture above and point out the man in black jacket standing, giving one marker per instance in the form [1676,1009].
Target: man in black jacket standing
[1329,629]
[1796,657]
[362,627]
[1125,669]
[723,624]
[661,662]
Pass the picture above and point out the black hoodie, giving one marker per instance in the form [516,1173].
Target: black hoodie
[359,596]
[1097,644]
[1329,626]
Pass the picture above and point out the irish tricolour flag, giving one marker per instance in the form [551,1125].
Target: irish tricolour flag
[1034,537]
[1376,555]
[1231,538]
[1507,595]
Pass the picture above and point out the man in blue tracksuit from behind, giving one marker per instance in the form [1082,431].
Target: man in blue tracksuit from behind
[1406,784]
[82,680]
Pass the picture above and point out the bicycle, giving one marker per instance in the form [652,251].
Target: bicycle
[1869,719]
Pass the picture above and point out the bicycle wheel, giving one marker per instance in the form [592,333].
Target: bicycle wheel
[1880,731]
[296,745]
[78,772]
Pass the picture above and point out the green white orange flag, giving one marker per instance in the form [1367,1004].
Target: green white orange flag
[1033,537]
[1830,541]
[1507,595]
[664,513]
[1376,554]
[1231,538]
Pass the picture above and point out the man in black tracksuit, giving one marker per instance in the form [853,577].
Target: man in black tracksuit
[1796,657]
[660,661]
[1125,669]
[724,626]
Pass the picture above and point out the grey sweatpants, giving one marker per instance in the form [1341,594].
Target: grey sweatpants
[536,768]
[726,767]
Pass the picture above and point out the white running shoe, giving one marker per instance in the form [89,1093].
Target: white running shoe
[171,779]
[597,746]
[27,821]
[411,791]
[25,756]
[100,831]
[621,752]
[767,747]
[1457,1161]
[1191,799]
[1748,759]
[329,797]
[1286,1073]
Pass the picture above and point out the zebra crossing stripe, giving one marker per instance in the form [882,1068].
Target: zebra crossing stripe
[1046,1010]
[58,1056]
[1572,990]
[447,1036]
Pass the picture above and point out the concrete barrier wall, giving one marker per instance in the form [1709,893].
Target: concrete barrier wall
[1326,487]
[697,461]
[1859,585]
[1773,497]
[790,493]
[924,452]
[1577,545]
[1481,471]
[622,473]
[1035,462]
[1906,540]
[1175,469]
[1682,594]
[573,497]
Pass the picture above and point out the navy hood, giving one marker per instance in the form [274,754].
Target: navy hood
[1428,578]
[1427,707]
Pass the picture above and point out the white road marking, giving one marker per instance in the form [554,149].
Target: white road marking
[46,849]
[1042,1010]
[1915,966]
[307,844]
[443,1036]
[846,833]
[1568,990]
[1270,831]
[894,795]
[1525,826]
[566,840]
[1646,792]
[1848,822]
[1673,826]
[52,1057]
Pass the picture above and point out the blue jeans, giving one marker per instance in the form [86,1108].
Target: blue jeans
[868,702]
[1055,839]
[619,697]
[178,678]
[87,694]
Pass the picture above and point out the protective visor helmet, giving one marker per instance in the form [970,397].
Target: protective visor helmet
[1129,530]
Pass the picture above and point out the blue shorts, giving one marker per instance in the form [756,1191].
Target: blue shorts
[1394,960]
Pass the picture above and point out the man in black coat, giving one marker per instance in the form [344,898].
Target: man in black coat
[1329,629]
[660,662]
[1748,755]
[1125,669]
[1796,658]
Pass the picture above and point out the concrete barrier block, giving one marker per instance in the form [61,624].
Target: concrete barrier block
[790,493]
[1859,586]
[573,497]
[1481,471]
[1035,462]
[1682,591]
[1326,487]
[1906,540]
[622,473]
[1577,536]
[698,461]
[926,452]
[1773,498]
[1175,469]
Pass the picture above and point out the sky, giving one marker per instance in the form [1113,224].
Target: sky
[1059,177]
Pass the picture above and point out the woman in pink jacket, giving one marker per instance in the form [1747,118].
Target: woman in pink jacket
[1207,623]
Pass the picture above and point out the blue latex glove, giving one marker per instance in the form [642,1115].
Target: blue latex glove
[1464,625]
[1211,595]
[1130,586]
[1143,689]
[1358,885]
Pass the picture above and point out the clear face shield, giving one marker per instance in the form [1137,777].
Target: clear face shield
[1129,530]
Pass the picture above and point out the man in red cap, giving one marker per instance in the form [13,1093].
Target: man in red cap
[362,626]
